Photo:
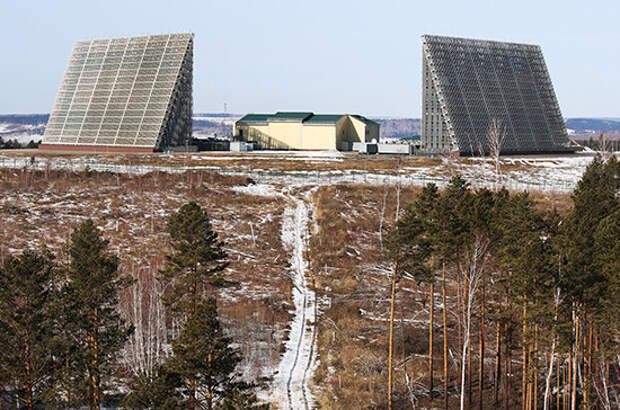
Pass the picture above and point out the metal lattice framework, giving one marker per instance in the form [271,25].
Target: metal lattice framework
[125,93]
[468,83]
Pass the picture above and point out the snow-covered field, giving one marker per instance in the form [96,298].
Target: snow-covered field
[545,173]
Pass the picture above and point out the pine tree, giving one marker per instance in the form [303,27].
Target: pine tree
[203,357]
[595,199]
[92,288]
[447,238]
[26,361]
[197,261]
[158,390]
[408,246]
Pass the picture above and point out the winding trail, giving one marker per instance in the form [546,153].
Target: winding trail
[296,367]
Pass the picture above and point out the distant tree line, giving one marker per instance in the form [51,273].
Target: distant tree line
[62,336]
[13,144]
[547,286]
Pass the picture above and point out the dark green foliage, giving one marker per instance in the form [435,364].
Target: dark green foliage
[32,144]
[410,242]
[26,362]
[595,199]
[451,209]
[607,264]
[158,391]
[240,397]
[197,260]
[9,144]
[203,357]
[96,332]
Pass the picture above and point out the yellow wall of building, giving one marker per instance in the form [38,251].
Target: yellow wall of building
[297,135]
[289,133]
[319,137]
[261,134]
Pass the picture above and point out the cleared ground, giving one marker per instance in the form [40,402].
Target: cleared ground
[261,204]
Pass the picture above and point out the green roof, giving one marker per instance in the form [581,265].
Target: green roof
[324,119]
[305,117]
[364,119]
[254,118]
[300,116]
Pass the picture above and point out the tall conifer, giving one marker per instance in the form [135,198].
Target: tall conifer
[92,288]
[26,360]
[197,261]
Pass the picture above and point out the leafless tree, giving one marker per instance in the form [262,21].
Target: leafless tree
[496,135]
[472,268]
[604,145]
[556,300]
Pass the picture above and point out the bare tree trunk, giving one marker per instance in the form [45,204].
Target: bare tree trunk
[535,369]
[547,398]
[390,343]
[508,367]
[469,389]
[558,375]
[94,362]
[471,284]
[573,401]
[445,339]
[464,358]
[569,393]
[481,344]
[498,358]
[29,398]
[589,378]
[385,192]
[430,333]
[459,310]
[524,358]
[192,394]
[68,380]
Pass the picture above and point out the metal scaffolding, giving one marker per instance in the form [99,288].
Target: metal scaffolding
[125,93]
[468,83]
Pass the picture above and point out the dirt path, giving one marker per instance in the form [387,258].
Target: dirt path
[295,369]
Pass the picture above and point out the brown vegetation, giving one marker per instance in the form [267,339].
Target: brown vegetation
[354,285]
[40,208]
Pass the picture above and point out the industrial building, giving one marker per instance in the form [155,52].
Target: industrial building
[305,130]
[467,84]
[124,94]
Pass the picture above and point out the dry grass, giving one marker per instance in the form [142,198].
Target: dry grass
[257,160]
[346,265]
[40,208]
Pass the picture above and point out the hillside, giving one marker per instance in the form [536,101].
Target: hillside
[26,127]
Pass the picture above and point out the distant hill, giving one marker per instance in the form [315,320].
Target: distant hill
[399,127]
[589,126]
[26,127]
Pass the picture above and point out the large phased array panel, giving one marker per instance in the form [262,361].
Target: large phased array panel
[125,94]
[469,83]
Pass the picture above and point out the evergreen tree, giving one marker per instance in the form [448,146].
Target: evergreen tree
[159,390]
[92,288]
[26,361]
[203,357]
[197,260]
[607,263]
[408,246]
[594,199]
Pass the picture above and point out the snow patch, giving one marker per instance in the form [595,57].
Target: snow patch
[290,388]
[257,190]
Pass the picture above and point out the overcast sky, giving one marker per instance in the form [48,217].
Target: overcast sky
[323,56]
